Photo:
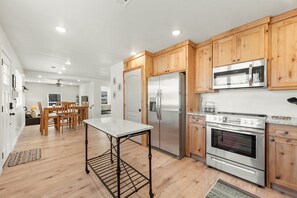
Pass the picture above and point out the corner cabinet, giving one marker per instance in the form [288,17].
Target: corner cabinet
[197,142]
[282,162]
[283,68]
[241,47]
[203,69]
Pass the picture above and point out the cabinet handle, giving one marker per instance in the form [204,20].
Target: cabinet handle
[234,60]
[277,177]
[286,132]
[272,140]
[197,128]
[238,59]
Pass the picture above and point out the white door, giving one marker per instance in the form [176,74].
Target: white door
[133,98]
[5,85]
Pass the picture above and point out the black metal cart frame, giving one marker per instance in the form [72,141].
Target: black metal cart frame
[120,178]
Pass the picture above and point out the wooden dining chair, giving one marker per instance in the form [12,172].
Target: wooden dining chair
[68,115]
[53,116]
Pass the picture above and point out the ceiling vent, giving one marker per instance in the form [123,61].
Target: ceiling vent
[123,3]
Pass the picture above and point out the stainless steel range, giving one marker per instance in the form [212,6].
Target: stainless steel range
[236,144]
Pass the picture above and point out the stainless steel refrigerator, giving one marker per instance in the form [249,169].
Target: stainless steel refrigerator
[166,112]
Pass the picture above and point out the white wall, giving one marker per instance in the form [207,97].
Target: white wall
[17,121]
[257,100]
[93,91]
[38,92]
[116,71]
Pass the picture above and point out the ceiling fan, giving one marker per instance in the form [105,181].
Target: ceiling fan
[59,83]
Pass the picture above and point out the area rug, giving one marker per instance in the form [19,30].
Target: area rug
[223,189]
[23,157]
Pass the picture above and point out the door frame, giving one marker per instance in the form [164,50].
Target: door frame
[143,98]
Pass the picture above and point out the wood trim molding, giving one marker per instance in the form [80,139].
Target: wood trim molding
[137,56]
[134,68]
[203,43]
[173,47]
[283,16]
[247,26]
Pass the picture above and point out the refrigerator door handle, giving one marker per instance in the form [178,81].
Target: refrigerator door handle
[157,105]
[160,102]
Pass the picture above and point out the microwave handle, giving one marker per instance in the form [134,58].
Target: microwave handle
[251,75]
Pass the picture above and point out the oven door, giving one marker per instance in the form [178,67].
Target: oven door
[239,144]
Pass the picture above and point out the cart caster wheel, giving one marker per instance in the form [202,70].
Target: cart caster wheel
[87,171]
[152,195]
[260,186]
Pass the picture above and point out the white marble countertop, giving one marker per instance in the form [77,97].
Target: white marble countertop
[292,122]
[117,127]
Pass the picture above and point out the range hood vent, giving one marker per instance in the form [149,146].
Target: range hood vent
[123,3]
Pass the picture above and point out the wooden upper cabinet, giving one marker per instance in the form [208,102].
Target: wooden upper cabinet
[203,69]
[137,62]
[171,61]
[160,64]
[284,54]
[244,46]
[223,51]
[177,59]
[250,44]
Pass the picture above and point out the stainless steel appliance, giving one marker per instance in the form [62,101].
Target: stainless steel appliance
[235,143]
[241,75]
[166,112]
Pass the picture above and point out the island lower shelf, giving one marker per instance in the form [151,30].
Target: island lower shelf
[105,167]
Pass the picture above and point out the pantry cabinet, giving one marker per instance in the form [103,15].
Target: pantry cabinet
[203,69]
[282,162]
[241,47]
[197,142]
[283,52]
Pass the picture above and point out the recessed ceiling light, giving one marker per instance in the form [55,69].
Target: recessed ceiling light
[78,80]
[68,62]
[176,32]
[133,53]
[39,76]
[63,68]
[39,81]
[71,84]
[60,29]
[59,72]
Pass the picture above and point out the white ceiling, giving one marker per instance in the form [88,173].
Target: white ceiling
[101,33]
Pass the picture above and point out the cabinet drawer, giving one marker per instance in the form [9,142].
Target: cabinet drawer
[283,131]
[197,119]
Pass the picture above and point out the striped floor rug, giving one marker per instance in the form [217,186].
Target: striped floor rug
[223,189]
[23,157]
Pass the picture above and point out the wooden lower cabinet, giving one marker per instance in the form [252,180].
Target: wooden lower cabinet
[282,162]
[197,143]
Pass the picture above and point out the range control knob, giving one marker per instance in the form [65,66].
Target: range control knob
[245,121]
[214,118]
[252,122]
[219,118]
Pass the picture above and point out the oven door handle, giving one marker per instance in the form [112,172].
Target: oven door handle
[237,129]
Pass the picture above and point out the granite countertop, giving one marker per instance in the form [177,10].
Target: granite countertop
[117,127]
[292,122]
[199,113]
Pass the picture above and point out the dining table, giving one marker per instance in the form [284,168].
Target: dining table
[48,110]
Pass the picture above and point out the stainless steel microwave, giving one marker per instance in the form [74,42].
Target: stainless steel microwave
[241,75]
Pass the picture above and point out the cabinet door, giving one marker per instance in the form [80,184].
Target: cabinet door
[203,69]
[250,44]
[223,51]
[283,161]
[177,59]
[284,54]
[160,64]
[197,139]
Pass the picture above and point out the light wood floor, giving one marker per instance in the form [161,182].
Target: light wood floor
[60,172]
